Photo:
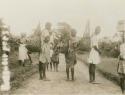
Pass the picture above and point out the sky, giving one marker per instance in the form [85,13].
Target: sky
[23,15]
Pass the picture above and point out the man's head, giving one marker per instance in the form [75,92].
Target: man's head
[97,30]
[48,25]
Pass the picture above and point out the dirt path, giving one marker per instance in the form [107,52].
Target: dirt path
[59,86]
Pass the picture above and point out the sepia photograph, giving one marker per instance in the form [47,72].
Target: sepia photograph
[62,47]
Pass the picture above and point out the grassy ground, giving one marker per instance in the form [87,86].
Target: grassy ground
[19,73]
[108,66]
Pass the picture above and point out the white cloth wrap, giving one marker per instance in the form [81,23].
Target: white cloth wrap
[94,56]
[23,52]
[45,48]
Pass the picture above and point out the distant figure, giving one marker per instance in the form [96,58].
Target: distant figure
[121,65]
[51,47]
[23,56]
[94,56]
[70,56]
[44,58]
[55,55]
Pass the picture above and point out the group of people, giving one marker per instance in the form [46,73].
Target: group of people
[51,47]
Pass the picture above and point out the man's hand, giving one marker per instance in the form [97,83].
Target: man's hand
[47,39]
[97,49]
[99,52]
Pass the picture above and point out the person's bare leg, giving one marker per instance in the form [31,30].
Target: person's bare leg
[51,66]
[30,59]
[67,72]
[47,66]
[90,73]
[40,70]
[24,62]
[93,72]
[56,67]
[122,84]
[44,71]
[72,73]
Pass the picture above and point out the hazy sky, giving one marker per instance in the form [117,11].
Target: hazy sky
[24,15]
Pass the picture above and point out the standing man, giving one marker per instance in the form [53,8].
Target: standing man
[71,55]
[55,55]
[51,47]
[94,57]
[44,58]
[121,64]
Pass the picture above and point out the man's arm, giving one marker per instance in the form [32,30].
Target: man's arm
[95,47]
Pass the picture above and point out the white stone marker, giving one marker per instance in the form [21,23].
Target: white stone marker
[5,73]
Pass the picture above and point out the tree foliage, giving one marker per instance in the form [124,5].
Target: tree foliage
[84,44]
[34,40]
[109,49]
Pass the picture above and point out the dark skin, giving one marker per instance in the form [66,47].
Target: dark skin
[75,46]
[95,47]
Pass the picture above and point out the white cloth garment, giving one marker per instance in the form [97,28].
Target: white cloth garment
[122,50]
[121,64]
[51,52]
[45,54]
[23,52]
[45,48]
[62,58]
[94,56]
[52,37]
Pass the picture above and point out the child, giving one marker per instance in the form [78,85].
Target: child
[55,55]
[51,54]
[44,57]
[23,56]
[51,47]
[70,56]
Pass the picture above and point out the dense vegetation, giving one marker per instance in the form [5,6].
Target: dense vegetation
[110,49]
[107,49]
[18,73]
[84,44]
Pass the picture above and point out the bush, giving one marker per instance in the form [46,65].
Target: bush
[84,44]
[109,49]
[33,48]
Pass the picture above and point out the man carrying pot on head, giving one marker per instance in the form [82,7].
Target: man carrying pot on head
[44,58]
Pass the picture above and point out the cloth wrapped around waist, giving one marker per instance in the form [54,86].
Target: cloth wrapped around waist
[71,57]
[94,57]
